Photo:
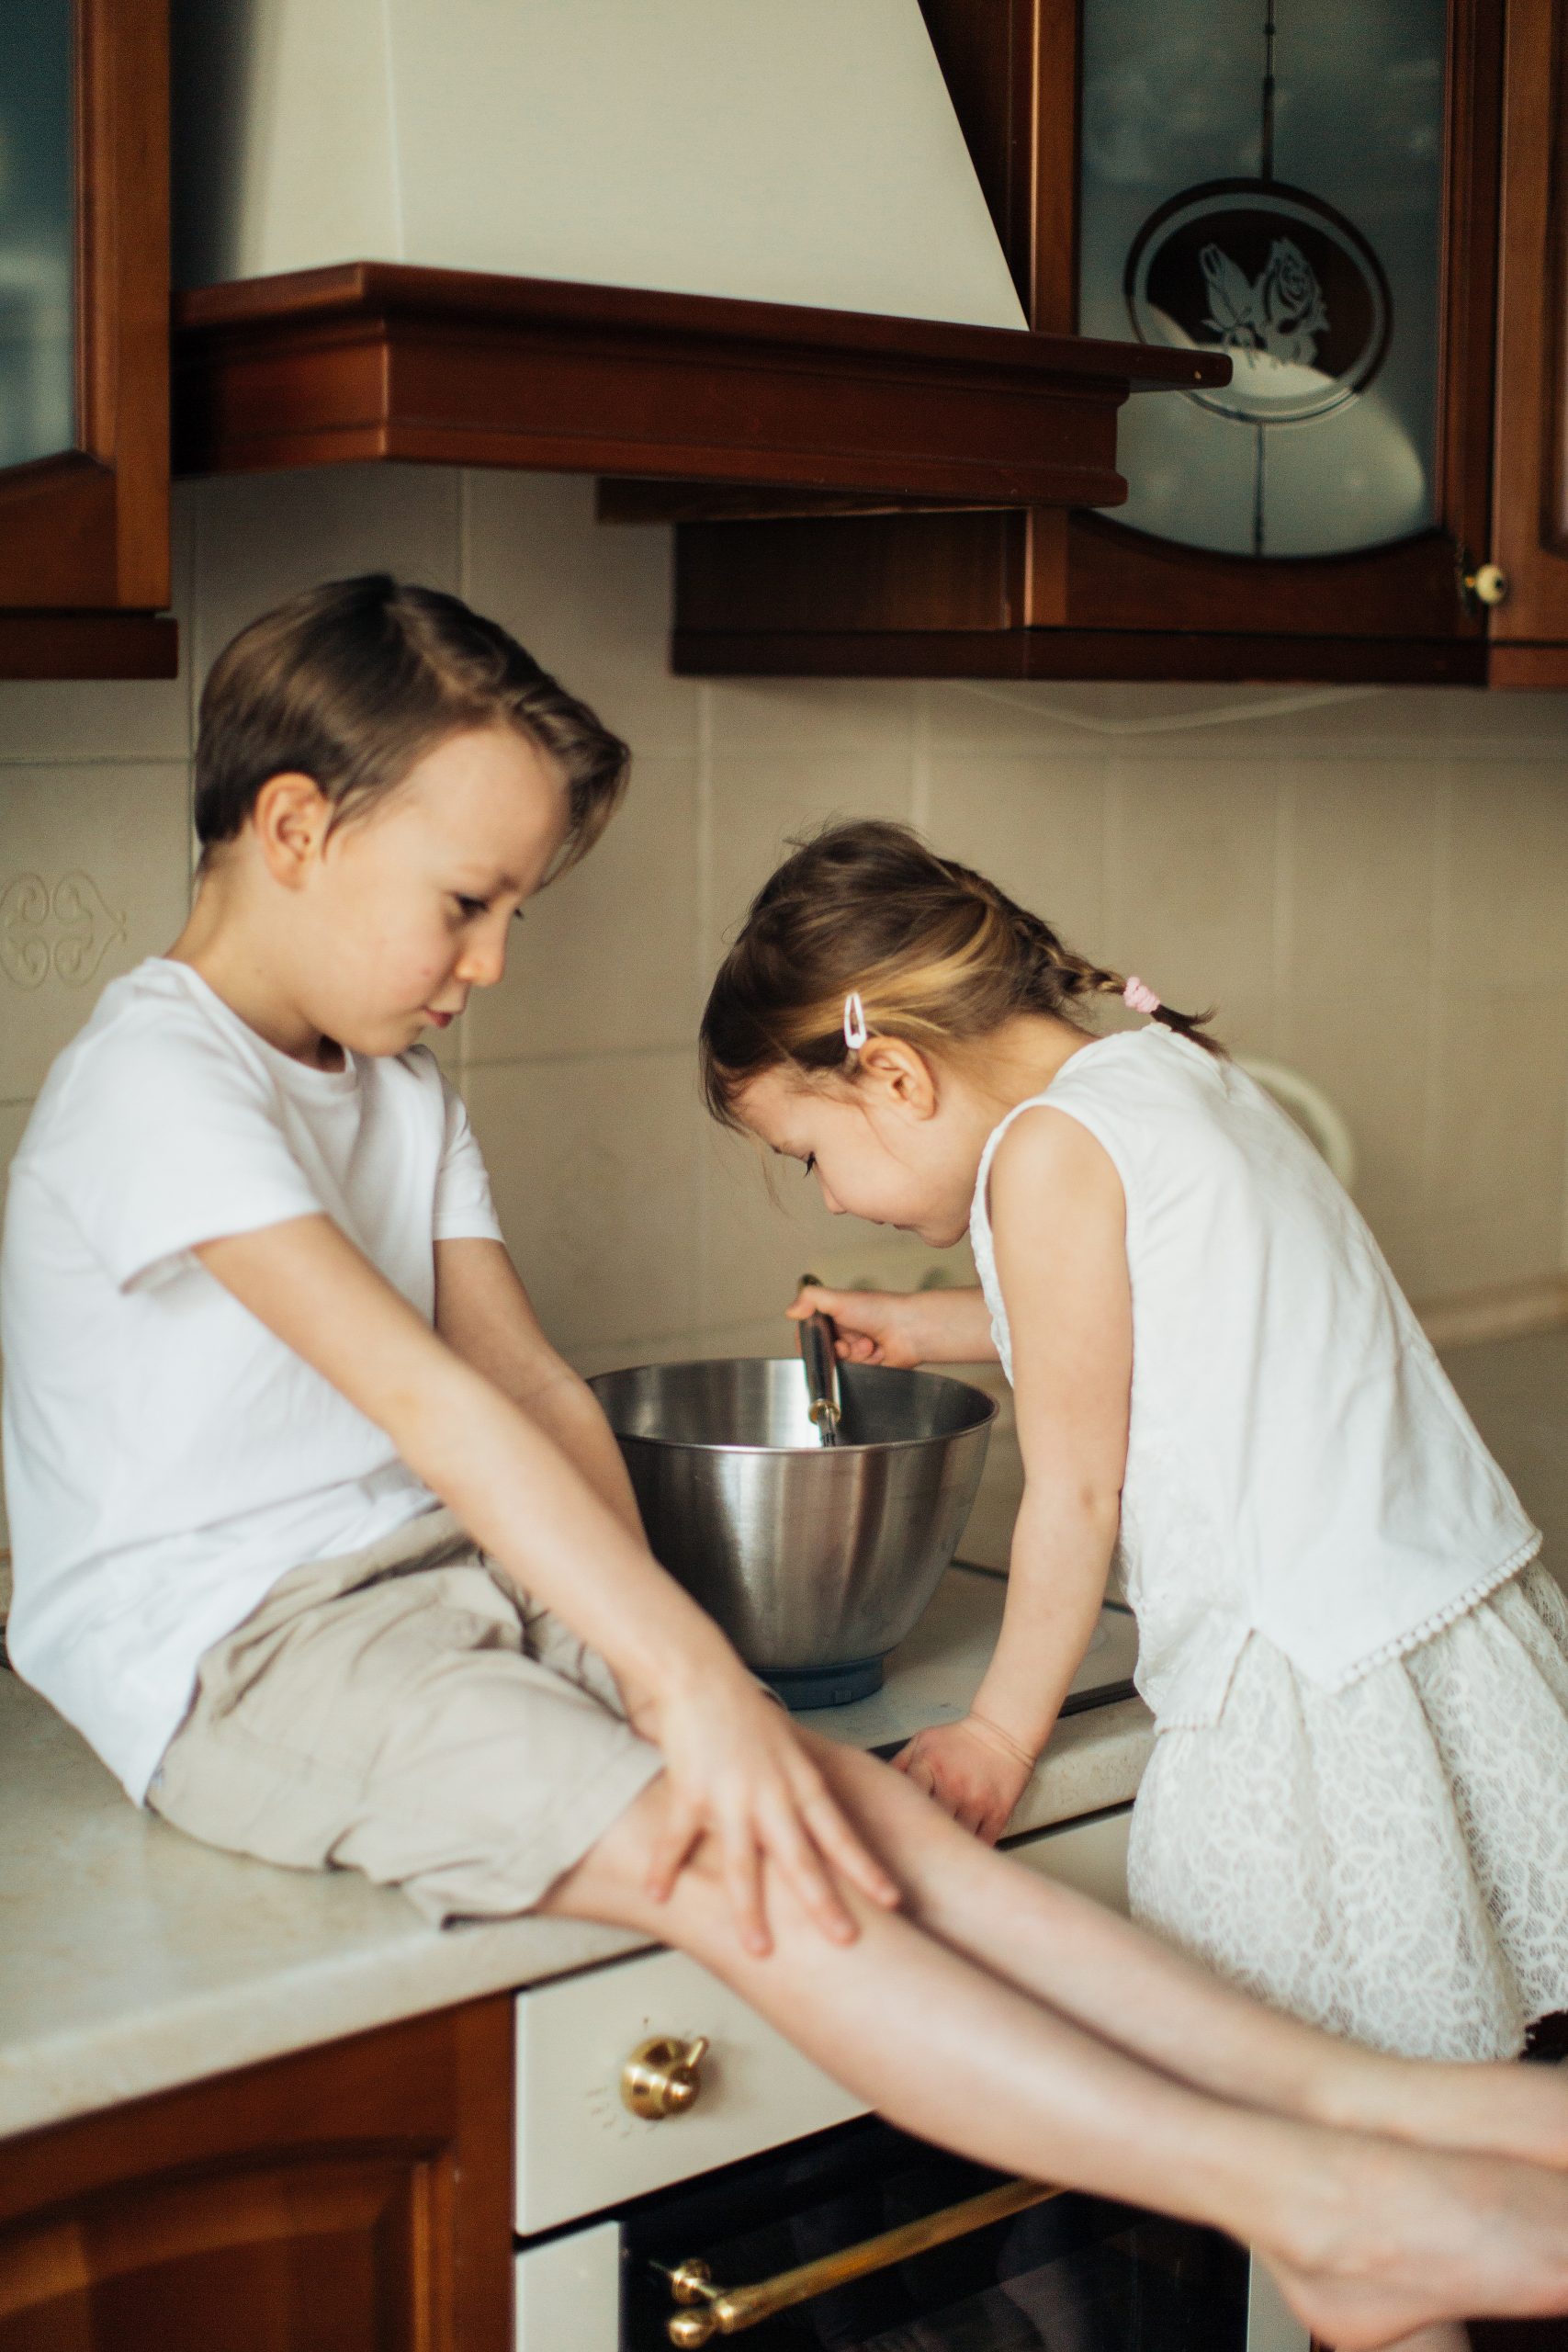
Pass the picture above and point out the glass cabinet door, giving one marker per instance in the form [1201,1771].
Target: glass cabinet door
[1265,178]
[38,216]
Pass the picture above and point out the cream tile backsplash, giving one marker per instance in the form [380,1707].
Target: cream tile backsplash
[1369,885]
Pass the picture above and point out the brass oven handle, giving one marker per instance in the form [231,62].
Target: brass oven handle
[662,2077]
[727,2311]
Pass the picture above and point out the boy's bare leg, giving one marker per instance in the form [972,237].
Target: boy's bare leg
[1368,2237]
[1167,2009]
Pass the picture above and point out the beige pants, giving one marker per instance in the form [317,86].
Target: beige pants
[404,1711]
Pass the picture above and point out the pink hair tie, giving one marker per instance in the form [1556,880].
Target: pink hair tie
[1140,997]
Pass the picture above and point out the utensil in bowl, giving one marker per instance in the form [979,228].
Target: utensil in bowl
[816,1560]
[819,1353]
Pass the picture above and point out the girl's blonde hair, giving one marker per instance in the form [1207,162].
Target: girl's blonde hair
[937,954]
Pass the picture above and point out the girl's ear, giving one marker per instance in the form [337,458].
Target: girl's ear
[289,819]
[900,1074]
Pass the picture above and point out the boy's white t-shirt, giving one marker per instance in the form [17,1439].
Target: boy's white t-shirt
[167,1459]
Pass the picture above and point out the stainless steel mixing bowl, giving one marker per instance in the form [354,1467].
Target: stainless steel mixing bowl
[816,1560]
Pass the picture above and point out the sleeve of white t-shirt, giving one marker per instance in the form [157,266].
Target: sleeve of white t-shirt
[164,1138]
[464,1209]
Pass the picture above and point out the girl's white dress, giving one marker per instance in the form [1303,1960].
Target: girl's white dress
[1358,1802]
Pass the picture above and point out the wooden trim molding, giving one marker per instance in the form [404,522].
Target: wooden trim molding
[88,645]
[1013,651]
[375,360]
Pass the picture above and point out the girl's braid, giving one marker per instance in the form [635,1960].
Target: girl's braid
[1054,976]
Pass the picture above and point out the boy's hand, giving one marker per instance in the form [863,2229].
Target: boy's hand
[972,1769]
[738,1775]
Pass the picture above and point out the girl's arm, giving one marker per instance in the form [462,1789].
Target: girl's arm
[484,1314]
[1059,1219]
[736,1771]
[905,1327]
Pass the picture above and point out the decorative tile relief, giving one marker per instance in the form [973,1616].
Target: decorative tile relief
[94,876]
[64,932]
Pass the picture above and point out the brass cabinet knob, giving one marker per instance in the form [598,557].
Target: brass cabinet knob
[1487,584]
[662,2076]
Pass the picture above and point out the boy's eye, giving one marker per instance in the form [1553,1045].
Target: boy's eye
[469,907]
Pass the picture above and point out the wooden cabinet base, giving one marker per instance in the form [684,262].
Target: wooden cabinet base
[352,2198]
[87,645]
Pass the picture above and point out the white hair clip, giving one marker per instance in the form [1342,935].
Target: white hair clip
[855,1030]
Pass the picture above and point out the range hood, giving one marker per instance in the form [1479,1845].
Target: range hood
[729,242]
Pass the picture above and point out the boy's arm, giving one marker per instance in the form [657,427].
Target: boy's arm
[735,1769]
[484,1314]
[1060,1223]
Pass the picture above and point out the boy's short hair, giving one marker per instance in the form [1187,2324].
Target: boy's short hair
[352,682]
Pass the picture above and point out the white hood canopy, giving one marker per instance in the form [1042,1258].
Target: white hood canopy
[780,151]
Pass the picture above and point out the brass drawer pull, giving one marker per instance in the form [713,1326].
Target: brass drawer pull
[727,2311]
[662,2077]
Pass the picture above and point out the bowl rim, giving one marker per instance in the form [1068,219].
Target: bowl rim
[779,1452]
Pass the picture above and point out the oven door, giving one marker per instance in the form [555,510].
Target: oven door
[825,2246]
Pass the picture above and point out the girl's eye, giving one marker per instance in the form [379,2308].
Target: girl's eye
[810,1162]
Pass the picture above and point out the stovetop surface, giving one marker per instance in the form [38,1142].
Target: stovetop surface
[933,1676]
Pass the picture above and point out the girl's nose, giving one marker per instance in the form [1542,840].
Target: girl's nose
[836,1207]
[482,962]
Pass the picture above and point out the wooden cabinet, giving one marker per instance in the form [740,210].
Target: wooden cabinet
[1530,537]
[1036,594]
[352,2198]
[84,340]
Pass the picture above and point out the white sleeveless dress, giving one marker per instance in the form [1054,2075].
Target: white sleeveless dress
[1358,1802]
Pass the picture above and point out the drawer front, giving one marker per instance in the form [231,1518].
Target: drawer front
[580,2149]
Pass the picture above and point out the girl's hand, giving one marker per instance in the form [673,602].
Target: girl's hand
[972,1769]
[903,1328]
[738,1774]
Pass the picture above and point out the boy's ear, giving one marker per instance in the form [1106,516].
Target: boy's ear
[289,818]
[901,1072]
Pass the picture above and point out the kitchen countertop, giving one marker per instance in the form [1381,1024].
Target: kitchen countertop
[133,1959]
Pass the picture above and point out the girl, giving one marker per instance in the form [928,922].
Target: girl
[1358,1802]
[313,1528]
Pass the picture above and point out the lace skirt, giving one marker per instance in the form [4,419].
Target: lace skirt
[1390,1860]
